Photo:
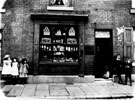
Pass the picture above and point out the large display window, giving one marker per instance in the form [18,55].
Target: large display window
[58,44]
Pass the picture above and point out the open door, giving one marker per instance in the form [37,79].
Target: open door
[103,53]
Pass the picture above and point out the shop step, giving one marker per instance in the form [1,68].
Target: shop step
[59,79]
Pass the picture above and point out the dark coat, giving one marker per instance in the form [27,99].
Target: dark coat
[128,67]
[118,66]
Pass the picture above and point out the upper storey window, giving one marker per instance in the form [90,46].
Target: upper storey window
[133,3]
[58,2]
[60,5]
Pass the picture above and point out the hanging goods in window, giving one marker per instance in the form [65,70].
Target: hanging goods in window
[46,31]
[71,32]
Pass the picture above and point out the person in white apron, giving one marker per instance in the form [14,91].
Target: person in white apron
[15,73]
[6,69]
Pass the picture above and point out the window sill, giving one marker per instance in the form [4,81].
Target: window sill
[132,10]
[60,8]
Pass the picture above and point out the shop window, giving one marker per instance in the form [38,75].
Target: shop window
[58,44]
[60,5]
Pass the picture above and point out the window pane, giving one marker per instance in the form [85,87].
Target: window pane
[129,51]
[61,2]
[134,36]
[134,52]
[133,3]
[128,35]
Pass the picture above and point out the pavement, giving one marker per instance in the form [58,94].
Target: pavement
[100,89]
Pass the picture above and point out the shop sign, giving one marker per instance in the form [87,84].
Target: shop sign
[102,34]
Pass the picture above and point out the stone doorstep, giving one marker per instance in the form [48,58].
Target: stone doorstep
[39,79]
[115,78]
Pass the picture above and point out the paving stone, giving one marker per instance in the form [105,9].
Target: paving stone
[7,88]
[57,97]
[29,90]
[58,90]
[57,87]
[58,93]
[75,91]
[88,90]
[42,90]
[16,90]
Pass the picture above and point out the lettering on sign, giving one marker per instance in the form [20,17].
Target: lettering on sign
[102,34]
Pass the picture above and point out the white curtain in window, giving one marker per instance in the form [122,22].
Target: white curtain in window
[134,43]
[133,3]
[65,1]
[134,36]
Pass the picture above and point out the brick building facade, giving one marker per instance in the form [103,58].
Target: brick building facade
[99,30]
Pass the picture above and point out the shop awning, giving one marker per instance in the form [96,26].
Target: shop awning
[59,16]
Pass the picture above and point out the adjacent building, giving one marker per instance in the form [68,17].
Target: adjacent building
[69,37]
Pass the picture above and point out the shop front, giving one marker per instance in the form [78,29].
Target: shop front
[57,44]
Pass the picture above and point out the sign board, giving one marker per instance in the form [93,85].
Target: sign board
[102,34]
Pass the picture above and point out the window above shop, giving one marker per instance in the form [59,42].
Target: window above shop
[133,7]
[60,5]
[133,4]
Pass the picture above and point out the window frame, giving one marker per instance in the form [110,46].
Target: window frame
[61,7]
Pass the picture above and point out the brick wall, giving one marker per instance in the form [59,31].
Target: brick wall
[18,31]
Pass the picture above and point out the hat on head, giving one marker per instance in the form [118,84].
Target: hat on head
[6,56]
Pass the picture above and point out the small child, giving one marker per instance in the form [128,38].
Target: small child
[128,71]
[15,73]
[23,71]
[6,70]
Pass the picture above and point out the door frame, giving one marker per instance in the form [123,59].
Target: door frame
[111,46]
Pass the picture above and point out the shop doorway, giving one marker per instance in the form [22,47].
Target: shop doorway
[103,51]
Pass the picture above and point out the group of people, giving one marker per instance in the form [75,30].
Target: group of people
[123,67]
[14,71]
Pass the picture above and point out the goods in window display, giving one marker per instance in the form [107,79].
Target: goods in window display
[46,31]
[71,32]
[46,41]
[59,44]
[71,41]
[58,33]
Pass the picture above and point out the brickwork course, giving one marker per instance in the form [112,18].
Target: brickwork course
[18,33]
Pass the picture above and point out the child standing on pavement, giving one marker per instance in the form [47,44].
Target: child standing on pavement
[15,73]
[128,71]
[23,71]
[119,65]
[6,70]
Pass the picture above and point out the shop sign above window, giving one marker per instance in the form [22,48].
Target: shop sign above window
[102,34]
[60,5]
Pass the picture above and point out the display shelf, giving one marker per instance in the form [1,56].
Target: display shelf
[58,63]
[59,41]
